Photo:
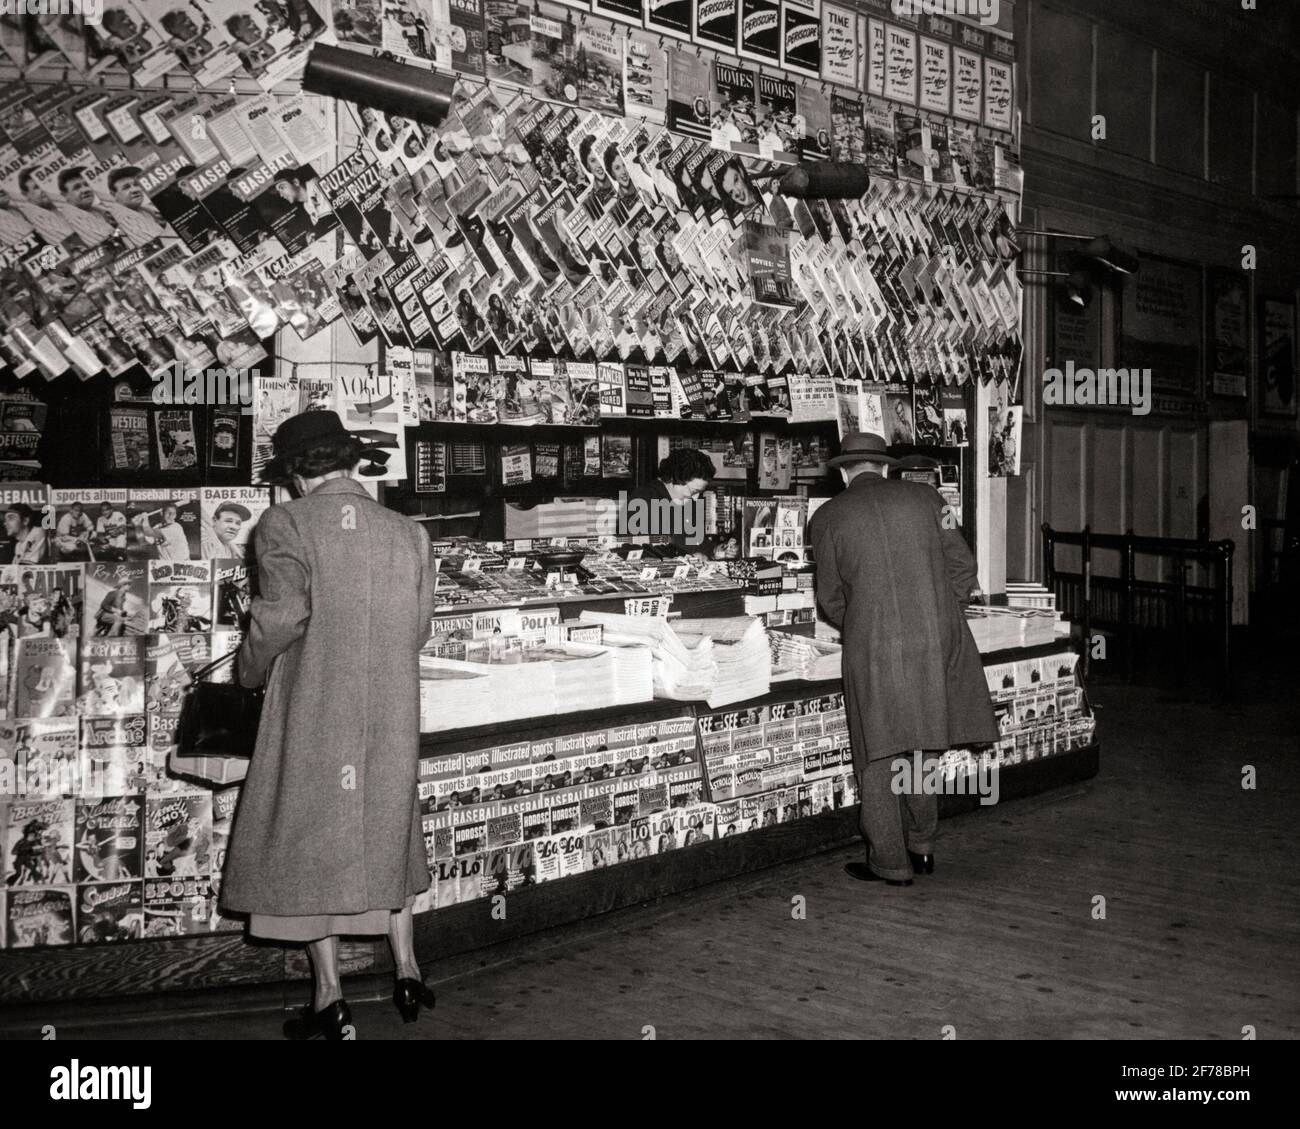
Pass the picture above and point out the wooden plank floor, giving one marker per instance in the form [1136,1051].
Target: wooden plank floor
[1199,937]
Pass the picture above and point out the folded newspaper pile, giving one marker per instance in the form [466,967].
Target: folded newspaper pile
[997,628]
[797,657]
[566,678]
[716,661]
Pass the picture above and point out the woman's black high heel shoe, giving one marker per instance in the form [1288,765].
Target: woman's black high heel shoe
[409,995]
[333,1023]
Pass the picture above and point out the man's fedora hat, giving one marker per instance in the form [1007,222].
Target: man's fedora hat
[862,447]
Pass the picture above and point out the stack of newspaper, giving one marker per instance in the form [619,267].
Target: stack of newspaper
[716,661]
[539,682]
[741,655]
[997,628]
[800,657]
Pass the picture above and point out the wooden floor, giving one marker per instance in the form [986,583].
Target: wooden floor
[1199,938]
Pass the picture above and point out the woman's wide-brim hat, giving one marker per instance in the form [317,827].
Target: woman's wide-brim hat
[862,447]
[301,432]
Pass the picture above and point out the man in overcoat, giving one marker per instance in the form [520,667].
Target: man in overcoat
[327,838]
[893,573]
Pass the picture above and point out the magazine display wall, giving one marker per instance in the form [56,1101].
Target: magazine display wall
[591,241]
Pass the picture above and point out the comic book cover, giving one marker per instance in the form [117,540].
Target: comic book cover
[108,842]
[38,918]
[180,597]
[112,677]
[232,594]
[48,749]
[848,130]
[113,755]
[44,600]
[177,447]
[44,677]
[38,843]
[169,662]
[109,912]
[178,835]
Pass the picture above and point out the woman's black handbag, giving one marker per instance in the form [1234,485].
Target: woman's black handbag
[217,729]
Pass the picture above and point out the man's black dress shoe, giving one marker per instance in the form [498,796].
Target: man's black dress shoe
[922,864]
[863,873]
[409,995]
[332,1022]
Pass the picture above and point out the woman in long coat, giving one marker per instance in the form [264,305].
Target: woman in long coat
[327,839]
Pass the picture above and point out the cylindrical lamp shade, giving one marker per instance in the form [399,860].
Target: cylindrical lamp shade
[394,88]
[826,180]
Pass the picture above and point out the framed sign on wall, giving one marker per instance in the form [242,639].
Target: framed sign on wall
[1277,358]
[1227,332]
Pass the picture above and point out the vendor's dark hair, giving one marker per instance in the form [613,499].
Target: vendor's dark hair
[323,457]
[685,464]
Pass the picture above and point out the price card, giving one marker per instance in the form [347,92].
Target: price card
[648,573]
[635,554]
[472,564]
[497,546]
[559,542]
[709,569]
[681,572]
[553,580]
[516,564]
